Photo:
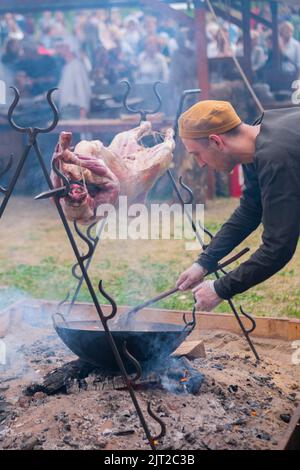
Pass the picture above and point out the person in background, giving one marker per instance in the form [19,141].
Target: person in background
[150,25]
[223,43]
[168,45]
[10,61]
[3,31]
[116,17]
[116,23]
[152,65]
[290,49]
[60,25]
[258,56]
[38,72]
[131,37]
[46,21]
[91,42]
[13,29]
[149,29]
[74,86]
[106,35]
[169,26]
[212,30]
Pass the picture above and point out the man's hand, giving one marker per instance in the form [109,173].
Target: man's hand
[191,277]
[206,296]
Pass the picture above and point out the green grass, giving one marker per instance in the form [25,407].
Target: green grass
[36,262]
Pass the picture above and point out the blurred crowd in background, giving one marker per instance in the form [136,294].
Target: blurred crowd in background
[86,53]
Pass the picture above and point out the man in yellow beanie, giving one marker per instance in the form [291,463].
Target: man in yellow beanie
[270,154]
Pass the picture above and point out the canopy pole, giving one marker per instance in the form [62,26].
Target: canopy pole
[275,34]
[201,45]
[247,37]
[203,74]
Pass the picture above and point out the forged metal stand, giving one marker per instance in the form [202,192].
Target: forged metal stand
[79,277]
[32,134]
[190,201]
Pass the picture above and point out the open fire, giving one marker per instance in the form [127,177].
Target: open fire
[225,407]
[239,405]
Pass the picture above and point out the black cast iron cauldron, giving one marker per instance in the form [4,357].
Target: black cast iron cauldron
[147,342]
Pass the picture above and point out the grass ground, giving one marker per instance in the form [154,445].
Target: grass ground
[36,260]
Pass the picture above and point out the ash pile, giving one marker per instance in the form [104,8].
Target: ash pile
[234,404]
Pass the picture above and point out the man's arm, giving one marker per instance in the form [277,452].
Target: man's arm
[281,220]
[240,225]
[244,220]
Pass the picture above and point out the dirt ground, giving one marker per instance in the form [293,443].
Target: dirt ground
[240,405]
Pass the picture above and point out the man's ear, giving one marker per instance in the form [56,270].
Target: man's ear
[216,141]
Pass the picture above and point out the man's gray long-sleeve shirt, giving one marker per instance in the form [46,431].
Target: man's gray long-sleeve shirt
[271,196]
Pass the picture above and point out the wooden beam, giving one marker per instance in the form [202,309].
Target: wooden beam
[190,349]
[159,7]
[203,74]
[227,16]
[201,49]
[246,20]
[254,16]
[275,35]
[31,6]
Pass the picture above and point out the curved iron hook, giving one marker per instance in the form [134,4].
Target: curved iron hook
[188,190]
[60,304]
[159,421]
[110,299]
[159,100]
[134,361]
[4,171]
[184,95]
[58,314]
[11,111]
[250,318]
[190,324]
[8,166]
[74,272]
[61,175]
[35,130]
[55,120]
[142,112]
[89,231]
[207,232]
[86,240]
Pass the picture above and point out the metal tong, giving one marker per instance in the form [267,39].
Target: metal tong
[126,318]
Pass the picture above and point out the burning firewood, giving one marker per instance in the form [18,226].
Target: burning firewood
[57,380]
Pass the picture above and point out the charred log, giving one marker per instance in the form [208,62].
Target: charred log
[58,380]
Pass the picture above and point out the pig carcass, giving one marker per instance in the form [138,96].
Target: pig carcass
[100,174]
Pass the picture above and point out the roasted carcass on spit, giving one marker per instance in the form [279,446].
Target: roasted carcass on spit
[100,174]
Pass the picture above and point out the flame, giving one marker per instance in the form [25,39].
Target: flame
[185,377]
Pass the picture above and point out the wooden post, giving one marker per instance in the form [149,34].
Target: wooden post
[246,9]
[275,35]
[203,73]
[201,48]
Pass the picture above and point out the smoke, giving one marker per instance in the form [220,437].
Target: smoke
[10,295]
[178,376]
[26,335]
